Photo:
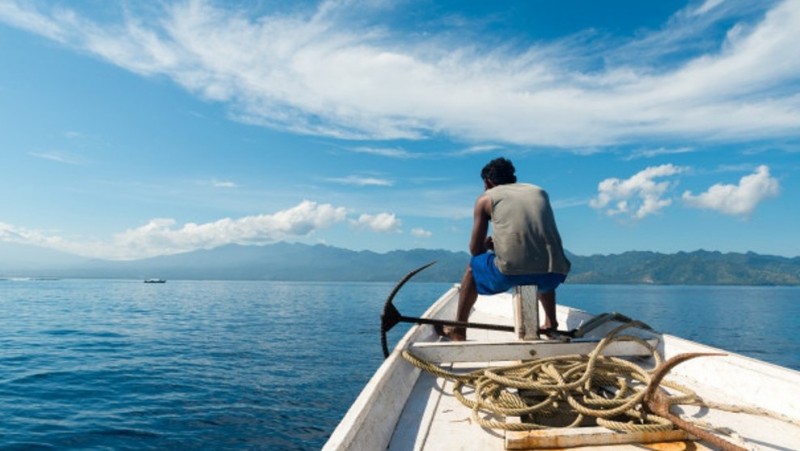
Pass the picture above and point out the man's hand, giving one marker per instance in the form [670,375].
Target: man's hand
[489,243]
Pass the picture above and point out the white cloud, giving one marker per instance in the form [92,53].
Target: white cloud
[382,222]
[421,233]
[650,153]
[14,234]
[223,184]
[319,72]
[361,181]
[707,6]
[637,196]
[162,236]
[58,157]
[390,152]
[737,200]
[480,149]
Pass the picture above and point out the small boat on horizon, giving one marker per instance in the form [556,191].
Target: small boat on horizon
[155,281]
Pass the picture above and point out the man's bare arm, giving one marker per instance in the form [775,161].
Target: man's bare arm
[480,225]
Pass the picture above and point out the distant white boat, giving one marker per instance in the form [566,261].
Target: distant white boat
[155,281]
[483,394]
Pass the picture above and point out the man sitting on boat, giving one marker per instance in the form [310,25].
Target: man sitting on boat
[525,248]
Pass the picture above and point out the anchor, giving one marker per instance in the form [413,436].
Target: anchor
[391,316]
[657,401]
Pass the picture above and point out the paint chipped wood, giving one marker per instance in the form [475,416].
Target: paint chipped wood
[593,436]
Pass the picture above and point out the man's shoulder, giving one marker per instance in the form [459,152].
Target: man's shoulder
[483,200]
[516,187]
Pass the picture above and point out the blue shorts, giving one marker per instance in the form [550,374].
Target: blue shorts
[489,279]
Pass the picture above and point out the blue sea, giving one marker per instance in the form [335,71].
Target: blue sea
[119,364]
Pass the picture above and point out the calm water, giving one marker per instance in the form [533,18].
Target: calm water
[265,365]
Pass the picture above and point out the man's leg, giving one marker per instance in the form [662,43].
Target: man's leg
[548,301]
[466,299]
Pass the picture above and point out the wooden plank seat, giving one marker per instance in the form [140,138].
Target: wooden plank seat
[477,351]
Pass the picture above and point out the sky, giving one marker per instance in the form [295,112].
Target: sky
[135,129]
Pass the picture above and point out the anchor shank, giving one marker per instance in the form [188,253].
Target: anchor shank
[442,322]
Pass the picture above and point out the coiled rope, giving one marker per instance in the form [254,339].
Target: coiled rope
[608,389]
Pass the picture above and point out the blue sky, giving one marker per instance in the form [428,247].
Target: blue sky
[135,129]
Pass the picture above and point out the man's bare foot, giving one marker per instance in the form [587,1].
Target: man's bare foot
[451,333]
[456,333]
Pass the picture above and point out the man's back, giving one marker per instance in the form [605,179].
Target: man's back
[526,239]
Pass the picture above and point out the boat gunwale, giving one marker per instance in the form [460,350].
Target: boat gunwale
[360,428]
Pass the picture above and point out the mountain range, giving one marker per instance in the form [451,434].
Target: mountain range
[300,262]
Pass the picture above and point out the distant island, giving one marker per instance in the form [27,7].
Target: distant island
[300,262]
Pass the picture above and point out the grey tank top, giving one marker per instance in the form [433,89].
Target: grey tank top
[526,239]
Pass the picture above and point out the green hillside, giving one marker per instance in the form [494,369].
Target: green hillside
[299,262]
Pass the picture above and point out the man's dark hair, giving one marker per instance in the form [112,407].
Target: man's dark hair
[499,171]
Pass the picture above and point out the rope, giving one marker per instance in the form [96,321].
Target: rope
[577,388]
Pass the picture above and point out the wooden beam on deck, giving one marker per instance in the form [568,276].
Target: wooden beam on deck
[587,436]
[476,351]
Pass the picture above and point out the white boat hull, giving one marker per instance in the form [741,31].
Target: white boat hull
[403,407]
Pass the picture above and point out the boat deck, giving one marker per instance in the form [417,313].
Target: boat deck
[433,417]
[405,408]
